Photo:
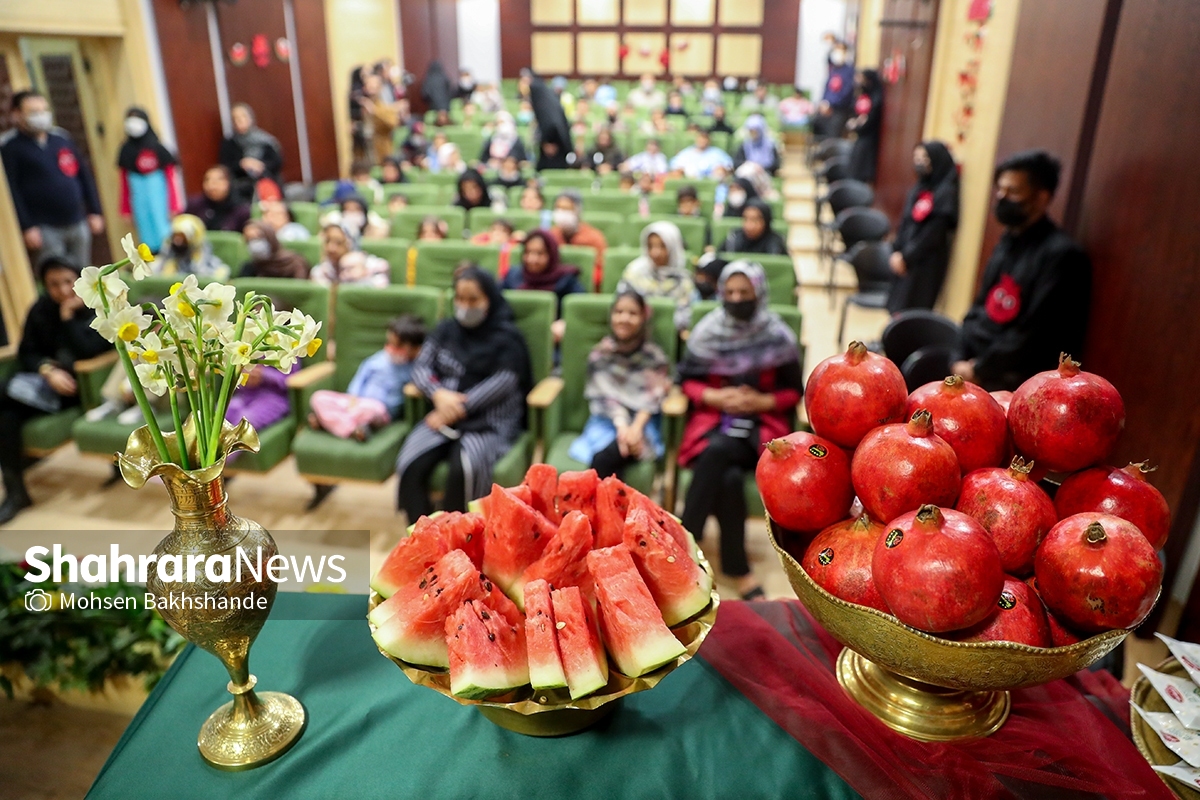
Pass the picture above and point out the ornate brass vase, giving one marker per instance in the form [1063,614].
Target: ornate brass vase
[220,616]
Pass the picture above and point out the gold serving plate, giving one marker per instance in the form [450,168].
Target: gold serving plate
[926,687]
[554,713]
[1147,741]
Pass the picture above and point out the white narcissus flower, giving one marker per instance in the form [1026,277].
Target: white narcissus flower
[125,324]
[87,286]
[138,255]
[178,306]
[153,377]
[149,349]
[217,302]
[239,353]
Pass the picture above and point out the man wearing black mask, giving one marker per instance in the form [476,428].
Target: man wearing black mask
[1035,295]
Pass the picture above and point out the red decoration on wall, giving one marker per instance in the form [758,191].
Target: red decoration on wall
[623,52]
[238,54]
[664,58]
[683,45]
[260,50]
[283,49]
[979,11]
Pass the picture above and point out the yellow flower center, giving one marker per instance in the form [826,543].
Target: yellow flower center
[128,332]
[243,349]
[175,287]
[144,251]
[185,309]
[313,347]
[150,356]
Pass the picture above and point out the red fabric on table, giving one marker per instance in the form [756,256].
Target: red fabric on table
[1056,744]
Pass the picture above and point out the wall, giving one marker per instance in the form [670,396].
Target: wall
[817,18]
[479,39]
[866,51]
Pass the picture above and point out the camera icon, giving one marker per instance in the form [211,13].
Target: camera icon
[38,600]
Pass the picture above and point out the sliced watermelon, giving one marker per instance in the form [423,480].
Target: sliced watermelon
[665,521]
[541,638]
[612,505]
[542,480]
[583,658]
[562,562]
[463,532]
[486,652]
[497,599]
[409,558]
[681,589]
[523,493]
[514,537]
[577,492]
[410,625]
[633,629]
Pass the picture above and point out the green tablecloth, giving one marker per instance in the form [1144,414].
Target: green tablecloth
[371,733]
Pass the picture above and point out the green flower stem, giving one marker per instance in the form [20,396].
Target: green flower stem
[184,461]
[223,398]
[140,395]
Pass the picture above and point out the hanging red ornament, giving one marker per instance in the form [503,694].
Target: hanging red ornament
[664,58]
[260,51]
[238,53]
[623,52]
[283,49]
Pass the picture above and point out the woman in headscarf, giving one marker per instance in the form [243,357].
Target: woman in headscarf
[628,376]
[758,146]
[472,191]
[541,269]
[267,258]
[186,251]
[475,370]
[921,250]
[216,206]
[661,270]
[149,188]
[449,159]
[437,89]
[344,263]
[868,115]
[708,273]
[759,179]
[554,132]
[503,143]
[250,154]
[741,372]
[741,192]
[755,235]
[605,155]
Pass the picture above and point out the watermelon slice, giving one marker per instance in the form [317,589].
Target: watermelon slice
[486,652]
[562,562]
[523,493]
[497,599]
[409,558]
[612,505]
[542,480]
[665,521]
[410,625]
[633,629]
[680,588]
[462,532]
[541,638]
[583,658]
[577,492]
[514,537]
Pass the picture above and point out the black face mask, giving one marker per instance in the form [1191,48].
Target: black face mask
[179,249]
[922,170]
[741,309]
[1010,213]
[707,290]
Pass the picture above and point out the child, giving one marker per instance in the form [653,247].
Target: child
[376,392]
[626,183]
[364,184]
[687,202]
[391,171]
[432,229]
[499,232]
[396,203]
[509,173]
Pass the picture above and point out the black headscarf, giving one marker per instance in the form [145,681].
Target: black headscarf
[751,194]
[472,176]
[436,88]
[131,159]
[872,85]
[553,127]
[497,344]
[768,243]
[942,180]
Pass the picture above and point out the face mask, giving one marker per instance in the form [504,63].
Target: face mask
[260,249]
[712,93]
[741,310]
[470,317]
[136,127]
[40,121]
[524,117]
[464,83]
[567,220]
[1010,213]
[647,86]
[355,220]
[737,198]
[707,290]
[922,170]
[837,57]
[179,248]
[506,130]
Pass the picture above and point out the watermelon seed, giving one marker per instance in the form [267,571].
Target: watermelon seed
[485,615]
[642,543]
[491,637]
[438,593]
[560,625]
[488,584]
[670,560]
[422,584]
[426,596]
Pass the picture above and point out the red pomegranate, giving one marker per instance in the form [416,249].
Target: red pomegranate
[1010,507]
[839,560]
[900,467]
[1060,635]
[968,418]
[1097,572]
[1124,493]
[849,394]
[937,570]
[1066,419]
[1019,617]
[1003,398]
[804,481]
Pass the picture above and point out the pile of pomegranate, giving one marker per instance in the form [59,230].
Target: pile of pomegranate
[955,535]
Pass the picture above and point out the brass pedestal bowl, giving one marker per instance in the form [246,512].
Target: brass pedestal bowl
[926,687]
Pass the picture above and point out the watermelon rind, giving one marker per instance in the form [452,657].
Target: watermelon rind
[541,639]
[487,654]
[584,660]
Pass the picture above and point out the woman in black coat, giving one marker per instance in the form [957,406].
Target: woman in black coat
[755,235]
[921,250]
[868,115]
[437,89]
[250,154]
[554,132]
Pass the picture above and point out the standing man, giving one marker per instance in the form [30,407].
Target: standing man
[52,188]
[1035,296]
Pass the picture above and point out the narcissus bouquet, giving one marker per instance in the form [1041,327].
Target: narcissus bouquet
[201,343]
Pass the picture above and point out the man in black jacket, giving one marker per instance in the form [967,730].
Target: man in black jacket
[1036,292]
[52,188]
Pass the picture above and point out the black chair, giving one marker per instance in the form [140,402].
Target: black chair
[870,262]
[926,365]
[827,148]
[833,170]
[911,330]
[843,194]
[856,225]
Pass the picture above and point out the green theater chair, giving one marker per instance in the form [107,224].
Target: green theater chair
[436,261]
[781,273]
[230,247]
[405,224]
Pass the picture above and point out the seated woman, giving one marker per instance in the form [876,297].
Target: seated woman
[741,192]
[216,205]
[472,191]
[280,217]
[503,144]
[432,229]
[628,377]
[267,258]
[605,155]
[57,333]
[759,147]
[262,400]
[475,369]
[391,171]
[344,263]
[661,270]
[741,373]
[755,235]
[541,270]
[355,215]
[187,252]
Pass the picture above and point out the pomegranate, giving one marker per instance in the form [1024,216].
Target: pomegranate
[1019,617]
[1060,635]
[937,570]
[1124,493]
[899,467]
[1066,419]
[839,560]
[968,418]
[1097,572]
[1010,507]
[804,481]
[849,394]
[1003,398]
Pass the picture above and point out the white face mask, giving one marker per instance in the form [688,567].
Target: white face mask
[647,86]
[506,130]
[259,249]
[470,317]
[737,198]
[565,219]
[40,121]
[355,220]
[838,57]
[136,127]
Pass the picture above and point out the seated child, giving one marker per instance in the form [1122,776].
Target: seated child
[509,173]
[499,232]
[432,229]
[396,203]
[366,186]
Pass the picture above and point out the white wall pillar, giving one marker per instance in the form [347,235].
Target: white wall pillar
[479,39]
[817,18]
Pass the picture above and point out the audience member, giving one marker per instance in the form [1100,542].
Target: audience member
[711,97]
[755,235]
[364,184]
[263,399]
[354,213]
[650,161]
[570,229]
[758,146]
[216,205]
[450,160]
[605,155]
[149,185]
[251,155]
[187,251]
[657,124]
[837,101]
[390,171]
[719,124]
[794,110]
[488,98]
[432,229]
[436,88]
[565,98]
[675,105]
[381,116]
[472,191]
[541,269]
[508,174]
[661,270]
[606,94]
[701,159]
[868,116]
[344,263]
[433,150]
[741,192]
[503,143]
[267,258]
[921,250]
[646,95]
[532,198]
[277,214]
[708,273]
[397,203]
[500,232]
[760,100]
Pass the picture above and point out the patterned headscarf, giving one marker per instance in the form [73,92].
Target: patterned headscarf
[624,378]
[671,280]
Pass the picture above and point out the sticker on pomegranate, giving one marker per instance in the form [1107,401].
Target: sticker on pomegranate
[1187,653]
[825,556]
[1181,695]
[67,163]
[1003,301]
[1007,601]
[894,537]
[1181,741]
[817,451]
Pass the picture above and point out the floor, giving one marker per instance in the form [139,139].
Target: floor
[44,755]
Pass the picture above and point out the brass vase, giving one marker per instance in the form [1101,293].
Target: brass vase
[222,617]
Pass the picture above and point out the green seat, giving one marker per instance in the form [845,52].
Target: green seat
[154,288]
[666,203]
[418,194]
[468,139]
[47,432]
[720,139]
[394,251]
[693,229]
[480,219]
[611,200]
[436,261]
[363,313]
[611,180]
[406,223]
[781,274]
[587,322]
[324,190]
[705,187]
[558,179]
[608,223]
[308,249]
[230,247]
[721,228]
[616,259]
[307,214]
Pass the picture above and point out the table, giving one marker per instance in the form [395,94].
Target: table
[757,715]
